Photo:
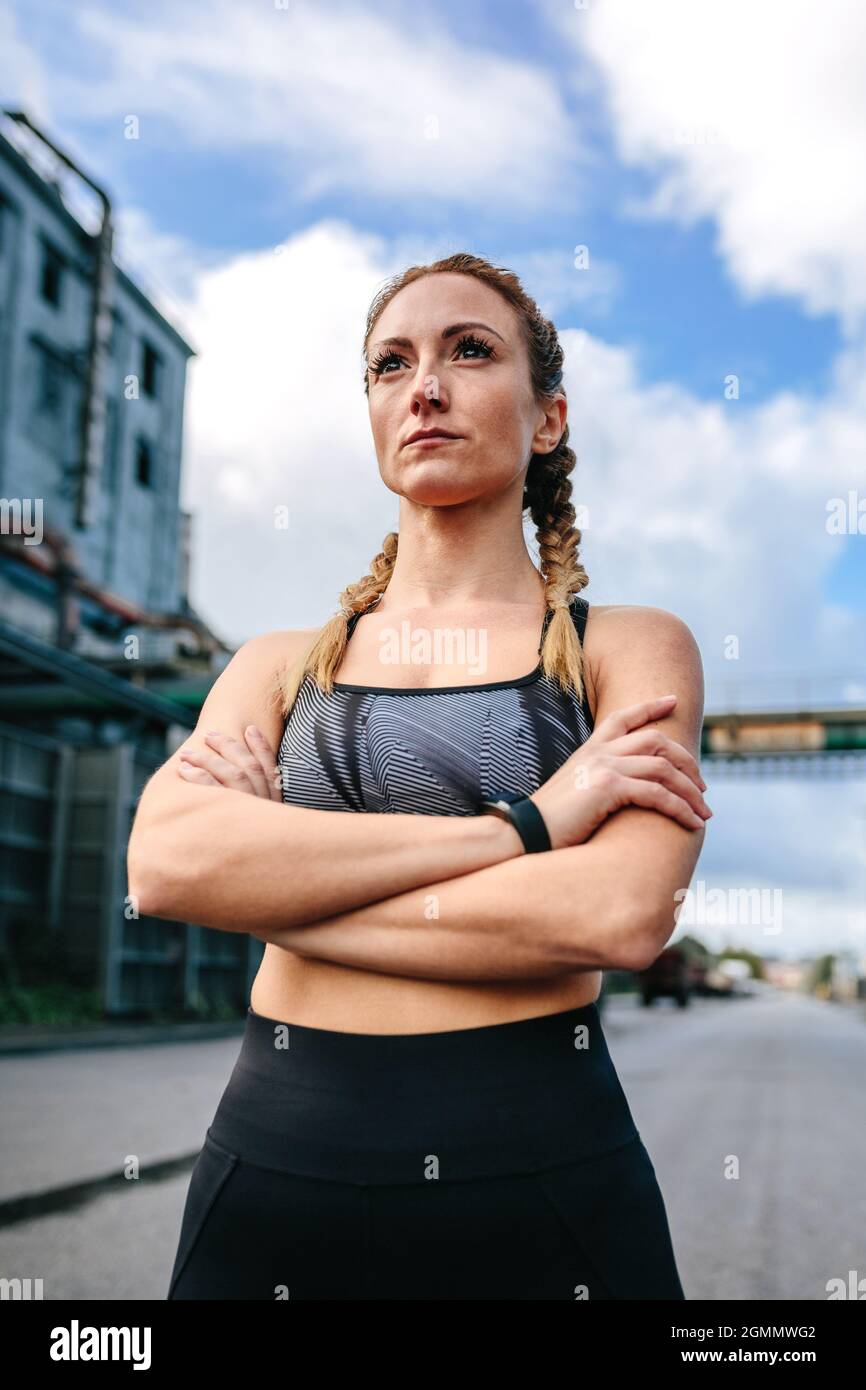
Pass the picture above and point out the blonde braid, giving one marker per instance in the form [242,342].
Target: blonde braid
[547,495]
[325,653]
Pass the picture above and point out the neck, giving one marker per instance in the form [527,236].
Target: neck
[469,554]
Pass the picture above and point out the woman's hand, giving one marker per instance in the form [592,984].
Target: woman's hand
[622,764]
[243,767]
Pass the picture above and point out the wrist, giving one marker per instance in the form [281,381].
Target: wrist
[523,814]
[503,837]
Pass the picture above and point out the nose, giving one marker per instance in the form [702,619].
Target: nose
[428,391]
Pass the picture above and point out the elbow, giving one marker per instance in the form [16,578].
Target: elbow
[643,936]
[145,878]
[633,940]
[629,937]
[638,953]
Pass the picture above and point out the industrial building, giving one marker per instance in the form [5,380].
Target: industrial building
[104,664]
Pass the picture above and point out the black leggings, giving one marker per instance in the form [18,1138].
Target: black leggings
[499,1162]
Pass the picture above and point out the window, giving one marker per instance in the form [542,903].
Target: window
[52,399]
[50,378]
[51,275]
[151,365]
[143,462]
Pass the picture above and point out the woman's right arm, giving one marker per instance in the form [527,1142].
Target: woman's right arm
[222,858]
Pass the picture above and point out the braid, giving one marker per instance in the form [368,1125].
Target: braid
[547,497]
[326,652]
[357,598]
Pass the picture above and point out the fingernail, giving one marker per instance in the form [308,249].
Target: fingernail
[251,729]
[213,733]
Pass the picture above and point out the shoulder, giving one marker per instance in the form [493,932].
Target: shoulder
[270,650]
[247,690]
[256,664]
[636,652]
[611,625]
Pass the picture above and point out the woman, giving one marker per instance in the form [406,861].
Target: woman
[424,1106]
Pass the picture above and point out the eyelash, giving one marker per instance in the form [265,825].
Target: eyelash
[468,340]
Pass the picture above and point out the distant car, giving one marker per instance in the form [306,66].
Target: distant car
[669,976]
[731,978]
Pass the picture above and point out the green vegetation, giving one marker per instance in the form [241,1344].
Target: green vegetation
[55,1004]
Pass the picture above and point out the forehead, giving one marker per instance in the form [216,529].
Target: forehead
[432,303]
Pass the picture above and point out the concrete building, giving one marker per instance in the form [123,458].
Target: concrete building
[104,664]
[92,383]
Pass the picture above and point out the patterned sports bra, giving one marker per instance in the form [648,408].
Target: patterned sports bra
[432,752]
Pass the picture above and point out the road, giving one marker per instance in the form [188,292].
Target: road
[773,1084]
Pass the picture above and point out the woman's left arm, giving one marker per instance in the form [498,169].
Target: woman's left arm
[605,904]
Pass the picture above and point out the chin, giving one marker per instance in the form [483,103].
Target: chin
[438,483]
[437,492]
[435,484]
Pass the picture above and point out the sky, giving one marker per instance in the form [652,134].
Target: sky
[291,156]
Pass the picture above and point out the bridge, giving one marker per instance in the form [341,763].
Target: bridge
[786,725]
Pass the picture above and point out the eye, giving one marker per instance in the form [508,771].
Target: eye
[378,365]
[468,343]
[476,344]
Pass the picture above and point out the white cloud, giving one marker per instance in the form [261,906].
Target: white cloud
[753,115]
[277,417]
[343,96]
[164,265]
[717,511]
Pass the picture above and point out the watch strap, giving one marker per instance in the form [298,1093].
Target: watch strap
[526,818]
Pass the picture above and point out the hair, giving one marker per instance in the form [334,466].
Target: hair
[546,496]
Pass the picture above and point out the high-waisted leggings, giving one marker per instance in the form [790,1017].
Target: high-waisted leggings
[498,1162]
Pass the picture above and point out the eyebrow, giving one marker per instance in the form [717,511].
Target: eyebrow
[446,333]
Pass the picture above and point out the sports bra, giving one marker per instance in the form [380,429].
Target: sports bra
[429,751]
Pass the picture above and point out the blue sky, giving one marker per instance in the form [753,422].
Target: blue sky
[289,158]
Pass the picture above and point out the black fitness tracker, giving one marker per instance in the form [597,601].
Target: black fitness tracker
[523,814]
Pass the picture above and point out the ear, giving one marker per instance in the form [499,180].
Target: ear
[554,415]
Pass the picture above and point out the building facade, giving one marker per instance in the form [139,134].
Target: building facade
[104,664]
[133,543]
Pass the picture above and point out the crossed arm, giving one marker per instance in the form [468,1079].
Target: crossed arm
[461,900]
[608,903]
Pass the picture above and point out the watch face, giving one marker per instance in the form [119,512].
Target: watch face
[508,797]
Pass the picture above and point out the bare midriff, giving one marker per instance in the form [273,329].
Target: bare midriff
[321,994]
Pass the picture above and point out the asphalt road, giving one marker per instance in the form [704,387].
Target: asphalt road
[774,1084]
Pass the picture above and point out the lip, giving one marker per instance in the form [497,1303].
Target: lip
[431,436]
